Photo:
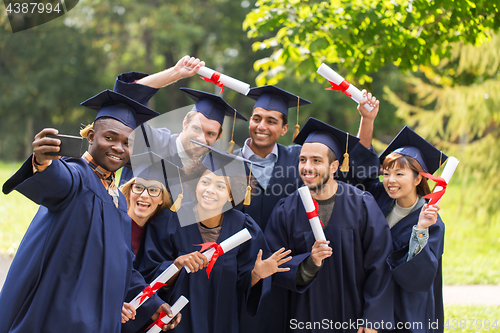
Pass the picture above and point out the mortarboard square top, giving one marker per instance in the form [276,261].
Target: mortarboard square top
[409,143]
[273,98]
[117,106]
[317,131]
[155,171]
[212,106]
[125,84]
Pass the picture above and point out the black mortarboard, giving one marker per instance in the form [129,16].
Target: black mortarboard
[338,141]
[212,106]
[227,164]
[273,98]
[409,143]
[125,84]
[120,107]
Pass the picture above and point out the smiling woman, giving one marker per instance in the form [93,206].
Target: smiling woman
[219,183]
[146,196]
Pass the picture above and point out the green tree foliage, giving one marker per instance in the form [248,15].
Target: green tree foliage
[362,35]
[45,73]
[457,106]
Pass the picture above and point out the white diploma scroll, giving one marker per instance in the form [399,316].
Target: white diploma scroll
[316,227]
[449,169]
[334,77]
[227,81]
[235,240]
[176,308]
[162,278]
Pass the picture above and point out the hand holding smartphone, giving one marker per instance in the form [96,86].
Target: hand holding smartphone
[71,146]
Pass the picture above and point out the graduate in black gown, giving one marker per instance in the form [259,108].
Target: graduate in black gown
[238,274]
[278,179]
[73,269]
[416,228]
[346,285]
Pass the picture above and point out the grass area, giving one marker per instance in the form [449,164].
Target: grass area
[472,318]
[16,212]
[472,248]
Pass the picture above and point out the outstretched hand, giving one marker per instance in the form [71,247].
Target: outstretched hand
[270,266]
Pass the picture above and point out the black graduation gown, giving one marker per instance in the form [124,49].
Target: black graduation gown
[213,303]
[418,292]
[283,182]
[355,282]
[285,179]
[73,269]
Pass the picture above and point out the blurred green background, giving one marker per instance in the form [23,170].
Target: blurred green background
[434,66]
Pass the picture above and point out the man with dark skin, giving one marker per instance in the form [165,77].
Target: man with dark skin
[73,269]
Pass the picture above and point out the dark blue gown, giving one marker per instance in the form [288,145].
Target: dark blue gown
[213,303]
[73,269]
[285,179]
[418,292]
[355,282]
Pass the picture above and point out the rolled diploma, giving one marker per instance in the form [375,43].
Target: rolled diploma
[305,195]
[176,308]
[227,81]
[333,76]
[449,169]
[237,239]
[163,278]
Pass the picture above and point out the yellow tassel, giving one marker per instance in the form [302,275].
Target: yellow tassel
[345,164]
[177,204]
[297,126]
[248,196]
[296,132]
[231,146]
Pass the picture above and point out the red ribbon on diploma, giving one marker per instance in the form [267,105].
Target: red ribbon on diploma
[435,196]
[218,252]
[158,322]
[149,291]
[343,86]
[314,213]
[215,79]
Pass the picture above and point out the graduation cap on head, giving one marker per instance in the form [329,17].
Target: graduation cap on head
[227,164]
[214,107]
[120,107]
[317,131]
[273,98]
[151,164]
[409,143]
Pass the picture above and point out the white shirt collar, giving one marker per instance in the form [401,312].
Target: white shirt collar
[248,152]
[185,159]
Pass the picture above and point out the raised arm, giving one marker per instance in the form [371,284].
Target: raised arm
[365,133]
[173,74]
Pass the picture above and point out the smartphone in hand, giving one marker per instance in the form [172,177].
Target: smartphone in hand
[71,146]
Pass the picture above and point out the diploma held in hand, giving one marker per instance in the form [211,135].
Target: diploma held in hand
[235,240]
[307,200]
[164,319]
[159,282]
[442,182]
[224,80]
[339,83]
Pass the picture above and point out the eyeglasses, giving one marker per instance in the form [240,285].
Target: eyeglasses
[153,191]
